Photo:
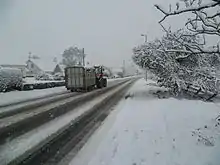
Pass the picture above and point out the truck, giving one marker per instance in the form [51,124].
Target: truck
[10,78]
[79,78]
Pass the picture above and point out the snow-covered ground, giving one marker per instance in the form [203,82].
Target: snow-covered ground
[30,141]
[145,130]
[15,96]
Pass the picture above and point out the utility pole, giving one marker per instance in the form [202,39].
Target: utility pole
[29,56]
[145,37]
[83,54]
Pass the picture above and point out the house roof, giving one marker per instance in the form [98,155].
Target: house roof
[13,65]
[62,67]
[45,64]
[59,68]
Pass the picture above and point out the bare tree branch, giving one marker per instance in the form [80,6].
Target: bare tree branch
[189,9]
[194,48]
[213,16]
[202,24]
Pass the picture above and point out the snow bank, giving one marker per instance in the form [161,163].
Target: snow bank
[34,81]
[146,130]
[119,79]
[15,96]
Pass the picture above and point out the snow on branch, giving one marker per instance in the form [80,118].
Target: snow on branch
[207,27]
[213,16]
[182,57]
[187,9]
[204,23]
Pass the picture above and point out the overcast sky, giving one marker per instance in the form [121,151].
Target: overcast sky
[107,29]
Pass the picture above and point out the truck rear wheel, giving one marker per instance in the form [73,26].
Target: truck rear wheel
[104,83]
[99,84]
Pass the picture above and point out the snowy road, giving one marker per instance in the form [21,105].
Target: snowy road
[145,130]
[17,96]
[54,123]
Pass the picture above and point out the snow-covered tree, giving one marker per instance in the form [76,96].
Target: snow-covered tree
[73,56]
[174,64]
[182,57]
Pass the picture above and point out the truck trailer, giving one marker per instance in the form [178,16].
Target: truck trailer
[78,78]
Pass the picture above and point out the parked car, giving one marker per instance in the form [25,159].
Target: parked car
[58,76]
[45,76]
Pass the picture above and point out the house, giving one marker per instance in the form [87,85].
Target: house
[117,72]
[38,66]
[44,65]
[33,68]
[23,68]
[59,68]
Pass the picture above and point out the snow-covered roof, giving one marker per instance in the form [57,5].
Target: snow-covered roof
[62,67]
[13,65]
[45,64]
[26,69]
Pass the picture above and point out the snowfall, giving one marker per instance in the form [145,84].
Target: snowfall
[145,130]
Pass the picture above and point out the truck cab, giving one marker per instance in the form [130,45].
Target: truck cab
[101,80]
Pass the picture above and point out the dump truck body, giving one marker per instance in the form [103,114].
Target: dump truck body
[80,78]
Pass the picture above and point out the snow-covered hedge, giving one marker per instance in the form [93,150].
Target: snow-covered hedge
[10,78]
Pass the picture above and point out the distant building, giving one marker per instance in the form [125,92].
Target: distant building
[117,72]
[33,68]
[39,66]
[59,68]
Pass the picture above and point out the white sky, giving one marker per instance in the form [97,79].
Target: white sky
[107,29]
